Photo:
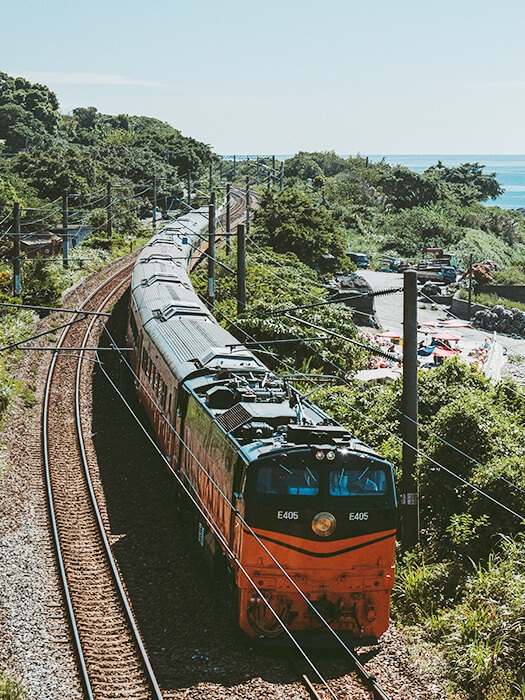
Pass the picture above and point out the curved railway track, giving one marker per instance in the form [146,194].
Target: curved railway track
[111,657]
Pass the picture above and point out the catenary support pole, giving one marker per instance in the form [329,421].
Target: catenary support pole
[228,217]
[410,489]
[241,269]
[65,235]
[247,206]
[154,202]
[469,312]
[17,287]
[188,186]
[109,211]
[211,251]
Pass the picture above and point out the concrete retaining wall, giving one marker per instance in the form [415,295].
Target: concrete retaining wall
[459,308]
[514,292]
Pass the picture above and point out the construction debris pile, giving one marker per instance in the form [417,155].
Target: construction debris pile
[498,318]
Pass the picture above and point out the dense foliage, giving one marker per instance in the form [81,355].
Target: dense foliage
[28,113]
[464,585]
[294,222]
[81,152]
[280,281]
[389,209]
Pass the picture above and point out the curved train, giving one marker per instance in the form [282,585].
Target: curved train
[296,512]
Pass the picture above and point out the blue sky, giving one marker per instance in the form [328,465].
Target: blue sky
[279,76]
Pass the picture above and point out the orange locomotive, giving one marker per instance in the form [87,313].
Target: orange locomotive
[295,512]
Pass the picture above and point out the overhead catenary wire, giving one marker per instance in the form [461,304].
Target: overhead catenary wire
[382,354]
[201,506]
[155,400]
[344,379]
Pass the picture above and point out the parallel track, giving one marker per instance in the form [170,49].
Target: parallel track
[325,691]
[111,657]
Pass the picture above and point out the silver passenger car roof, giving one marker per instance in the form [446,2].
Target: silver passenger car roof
[180,325]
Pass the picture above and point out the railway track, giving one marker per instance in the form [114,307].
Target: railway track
[320,688]
[112,661]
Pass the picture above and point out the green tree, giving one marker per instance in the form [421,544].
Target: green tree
[466,182]
[294,221]
[59,168]
[404,189]
[28,113]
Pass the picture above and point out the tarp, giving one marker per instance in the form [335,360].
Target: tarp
[388,334]
[455,323]
[446,336]
[440,351]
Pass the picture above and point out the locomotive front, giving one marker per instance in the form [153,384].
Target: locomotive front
[319,546]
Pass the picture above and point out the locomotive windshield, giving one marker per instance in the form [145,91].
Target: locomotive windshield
[293,481]
[302,473]
[353,482]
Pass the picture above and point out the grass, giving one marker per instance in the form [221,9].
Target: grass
[11,688]
[491,300]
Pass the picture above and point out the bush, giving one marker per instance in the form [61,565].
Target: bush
[484,636]
[420,590]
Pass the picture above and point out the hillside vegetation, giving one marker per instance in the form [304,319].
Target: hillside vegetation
[463,588]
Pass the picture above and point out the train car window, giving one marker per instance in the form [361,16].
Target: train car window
[134,329]
[153,377]
[291,481]
[354,482]
[239,478]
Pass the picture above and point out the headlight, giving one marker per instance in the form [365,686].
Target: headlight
[330,455]
[319,455]
[323,524]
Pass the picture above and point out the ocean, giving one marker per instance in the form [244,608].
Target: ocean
[510,172]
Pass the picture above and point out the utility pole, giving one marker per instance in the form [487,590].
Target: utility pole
[211,178]
[109,211]
[65,235]
[241,269]
[154,202]
[228,218]
[247,206]
[234,168]
[211,251]
[281,180]
[410,490]
[188,186]
[469,313]
[17,288]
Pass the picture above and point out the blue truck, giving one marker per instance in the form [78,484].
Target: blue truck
[360,259]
